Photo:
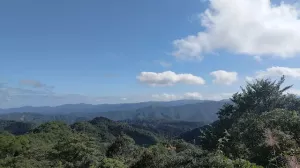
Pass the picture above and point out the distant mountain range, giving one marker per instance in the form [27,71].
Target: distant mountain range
[78,108]
[181,110]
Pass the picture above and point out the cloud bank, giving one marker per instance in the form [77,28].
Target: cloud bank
[252,27]
[191,96]
[169,78]
[279,71]
[276,71]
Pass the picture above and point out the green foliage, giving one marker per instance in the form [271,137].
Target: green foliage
[56,144]
[76,151]
[11,146]
[165,128]
[240,163]
[155,156]
[121,145]
[54,127]
[108,130]
[261,126]
[261,138]
[111,163]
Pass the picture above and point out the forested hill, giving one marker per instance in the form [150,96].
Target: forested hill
[199,112]
[15,127]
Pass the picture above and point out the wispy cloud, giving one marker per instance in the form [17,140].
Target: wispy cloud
[191,96]
[32,83]
[258,58]
[35,84]
[165,64]
[9,95]
[165,97]
[218,96]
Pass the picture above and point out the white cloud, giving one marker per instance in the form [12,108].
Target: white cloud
[192,95]
[293,91]
[224,77]
[165,97]
[170,97]
[220,96]
[251,27]
[278,72]
[169,78]
[249,79]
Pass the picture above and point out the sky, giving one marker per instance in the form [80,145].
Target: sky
[111,51]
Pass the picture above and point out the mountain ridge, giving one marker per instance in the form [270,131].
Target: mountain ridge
[204,111]
[99,107]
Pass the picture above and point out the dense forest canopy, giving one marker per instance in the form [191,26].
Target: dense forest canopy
[259,128]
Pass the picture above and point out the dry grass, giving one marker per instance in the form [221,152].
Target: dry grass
[292,162]
[270,139]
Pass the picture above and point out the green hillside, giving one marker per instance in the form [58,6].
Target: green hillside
[261,128]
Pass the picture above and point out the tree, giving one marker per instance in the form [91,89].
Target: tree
[258,97]
[120,147]
[76,151]
[11,146]
[262,112]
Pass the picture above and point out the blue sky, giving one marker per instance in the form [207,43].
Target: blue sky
[56,52]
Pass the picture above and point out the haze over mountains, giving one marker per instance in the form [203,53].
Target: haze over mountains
[98,108]
[181,110]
